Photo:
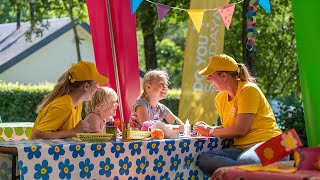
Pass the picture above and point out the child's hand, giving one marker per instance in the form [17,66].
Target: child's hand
[134,122]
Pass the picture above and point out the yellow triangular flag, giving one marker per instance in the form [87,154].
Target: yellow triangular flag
[196,16]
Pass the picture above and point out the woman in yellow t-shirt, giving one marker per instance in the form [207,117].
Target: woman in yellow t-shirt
[60,111]
[245,113]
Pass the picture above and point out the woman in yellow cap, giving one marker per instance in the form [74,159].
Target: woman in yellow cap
[60,111]
[245,113]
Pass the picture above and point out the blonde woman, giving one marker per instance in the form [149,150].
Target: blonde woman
[60,111]
[246,115]
[148,107]
[101,109]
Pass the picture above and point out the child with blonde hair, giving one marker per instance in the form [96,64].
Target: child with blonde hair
[101,109]
[148,107]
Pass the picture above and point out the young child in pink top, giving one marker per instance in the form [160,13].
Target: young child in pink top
[101,109]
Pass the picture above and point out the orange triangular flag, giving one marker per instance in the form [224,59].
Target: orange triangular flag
[226,13]
[196,16]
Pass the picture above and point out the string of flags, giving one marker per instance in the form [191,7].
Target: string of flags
[226,13]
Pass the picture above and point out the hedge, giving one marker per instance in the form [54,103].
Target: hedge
[18,102]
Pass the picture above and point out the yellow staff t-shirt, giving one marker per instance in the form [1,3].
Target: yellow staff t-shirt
[248,99]
[58,115]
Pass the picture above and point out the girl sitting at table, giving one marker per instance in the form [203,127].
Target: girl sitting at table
[148,107]
[101,109]
[60,111]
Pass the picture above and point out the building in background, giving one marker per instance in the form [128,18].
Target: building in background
[45,58]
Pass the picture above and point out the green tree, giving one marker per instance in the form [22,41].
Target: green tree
[7,14]
[147,22]
[275,50]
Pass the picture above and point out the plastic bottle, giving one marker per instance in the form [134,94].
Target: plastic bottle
[175,129]
[187,128]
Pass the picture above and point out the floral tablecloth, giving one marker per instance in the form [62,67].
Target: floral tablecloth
[70,159]
[15,131]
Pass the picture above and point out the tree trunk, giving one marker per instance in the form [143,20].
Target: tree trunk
[75,32]
[248,56]
[147,16]
[150,50]
[18,19]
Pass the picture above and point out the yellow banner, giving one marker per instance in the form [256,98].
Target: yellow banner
[197,95]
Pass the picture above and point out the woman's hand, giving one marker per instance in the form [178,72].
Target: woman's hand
[201,128]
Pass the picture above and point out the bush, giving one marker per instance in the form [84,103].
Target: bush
[18,102]
[291,116]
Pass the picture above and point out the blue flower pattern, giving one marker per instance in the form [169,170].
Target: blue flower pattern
[135,148]
[42,170]
[106,167]
[153,147]
[33,151]
[199,144]
[23,169]
[142,165]
[187,161]
[175,161]
[158,164]
[86,168]
[193,175]
[148,177]
[65,169]
[77,150]
[56,151]
[184,145]
[117,148]
[133,178]
[98,149]
[125,165]
[213,143]
[165,176]
[179,176]
[169,147]
[176,153]
[225,143]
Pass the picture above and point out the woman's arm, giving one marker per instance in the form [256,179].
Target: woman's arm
[81,127]
[241,127]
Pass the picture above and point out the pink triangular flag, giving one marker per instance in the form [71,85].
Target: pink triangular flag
[162,10]
[226,13]
[196,16]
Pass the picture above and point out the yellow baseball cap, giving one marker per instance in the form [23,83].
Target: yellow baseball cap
[85,71]
[220,62]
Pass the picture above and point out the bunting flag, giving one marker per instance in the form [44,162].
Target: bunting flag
[265,4]
[162,10]
[134,4]
[251,25]
[196,16]
[226,13]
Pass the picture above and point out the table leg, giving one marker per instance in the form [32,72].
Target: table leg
[14,167]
